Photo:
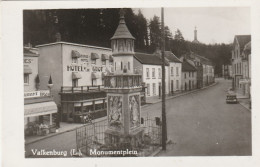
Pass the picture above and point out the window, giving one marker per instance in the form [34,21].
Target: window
[93,61]
[154,88]
[129,66]
[111,63]
[177,71]
[159,73]
[192,74]
[74,60]
[153,72]
[94,82]
[177,84]
[148,89]
[189,74]
[185,75]
[26,78]
[147,73]
[103,62]
[121,65]
[115,66]
[171,70]
[75,82]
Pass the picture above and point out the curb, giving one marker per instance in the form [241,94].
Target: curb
[186,93]
[58,133]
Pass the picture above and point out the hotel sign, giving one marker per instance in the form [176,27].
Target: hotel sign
[40,93]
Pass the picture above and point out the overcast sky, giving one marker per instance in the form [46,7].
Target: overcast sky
[214,24]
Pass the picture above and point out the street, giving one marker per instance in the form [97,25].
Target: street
[198,124]
[202,124]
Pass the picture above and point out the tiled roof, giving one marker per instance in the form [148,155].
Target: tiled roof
[243,40]
[150,59]
[203,60]
[186,67]
[171,57]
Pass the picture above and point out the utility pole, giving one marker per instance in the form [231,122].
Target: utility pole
[164,126]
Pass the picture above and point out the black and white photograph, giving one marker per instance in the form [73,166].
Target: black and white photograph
[132,81]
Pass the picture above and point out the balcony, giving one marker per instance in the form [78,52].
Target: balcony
[124,81]
[81,89]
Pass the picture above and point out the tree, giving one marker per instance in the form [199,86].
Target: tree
[155,33]
[178,35]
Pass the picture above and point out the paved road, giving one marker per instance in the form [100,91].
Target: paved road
[202,124]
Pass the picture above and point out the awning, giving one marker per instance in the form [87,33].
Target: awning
[94,56]
[76,75]
[38,109]
[95,75]
[111,58]
[27,69]
[104,57]
[75,54]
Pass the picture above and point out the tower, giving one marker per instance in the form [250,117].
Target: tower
[122,44]
[123,92]
[195,36]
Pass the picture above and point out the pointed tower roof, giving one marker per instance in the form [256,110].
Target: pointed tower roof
[122,30]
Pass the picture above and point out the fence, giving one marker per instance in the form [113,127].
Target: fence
[91,137]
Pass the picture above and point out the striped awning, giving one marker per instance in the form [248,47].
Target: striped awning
[111,58]
[94,56]
[76,75]
[75,54]
[27,69]
[104,57]
[37,109]
[95,75]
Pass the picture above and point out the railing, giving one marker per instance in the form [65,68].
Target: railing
[123,81]
[81,89]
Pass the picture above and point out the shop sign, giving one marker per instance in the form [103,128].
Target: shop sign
[27,61]
[97,69]
[40,93]
[77,68]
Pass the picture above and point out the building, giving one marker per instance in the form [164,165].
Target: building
[175,66]
[77,73]
[226,71]
[245,82]
[39,107]
[189,76]
[195,36]
[150,66]
[237,59]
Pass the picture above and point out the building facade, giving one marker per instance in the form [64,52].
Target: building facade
[39,107]
[237,61]
[77,73]
[189,76]
[175,77]
[150,66]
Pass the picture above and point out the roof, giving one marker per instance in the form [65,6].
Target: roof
[74,44]
[186,67]
[150,59]
[28,52]
[171,57]
[122,30]
[243,40]
[248,46]
[203,60]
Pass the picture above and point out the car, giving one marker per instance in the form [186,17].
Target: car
[231,98]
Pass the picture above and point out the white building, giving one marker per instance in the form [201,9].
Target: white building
[149,65]
[175,66]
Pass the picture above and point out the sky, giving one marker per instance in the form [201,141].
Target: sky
[214,24]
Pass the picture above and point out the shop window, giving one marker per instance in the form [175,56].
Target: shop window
[93,61]
[75,82]
[74,60]
[103,62]
[26,79]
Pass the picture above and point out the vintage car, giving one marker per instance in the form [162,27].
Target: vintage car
[231,98]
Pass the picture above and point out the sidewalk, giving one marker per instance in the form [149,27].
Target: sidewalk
[243,99]
[64,127]
[156,99]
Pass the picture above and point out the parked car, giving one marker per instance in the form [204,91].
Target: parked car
[231,98]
